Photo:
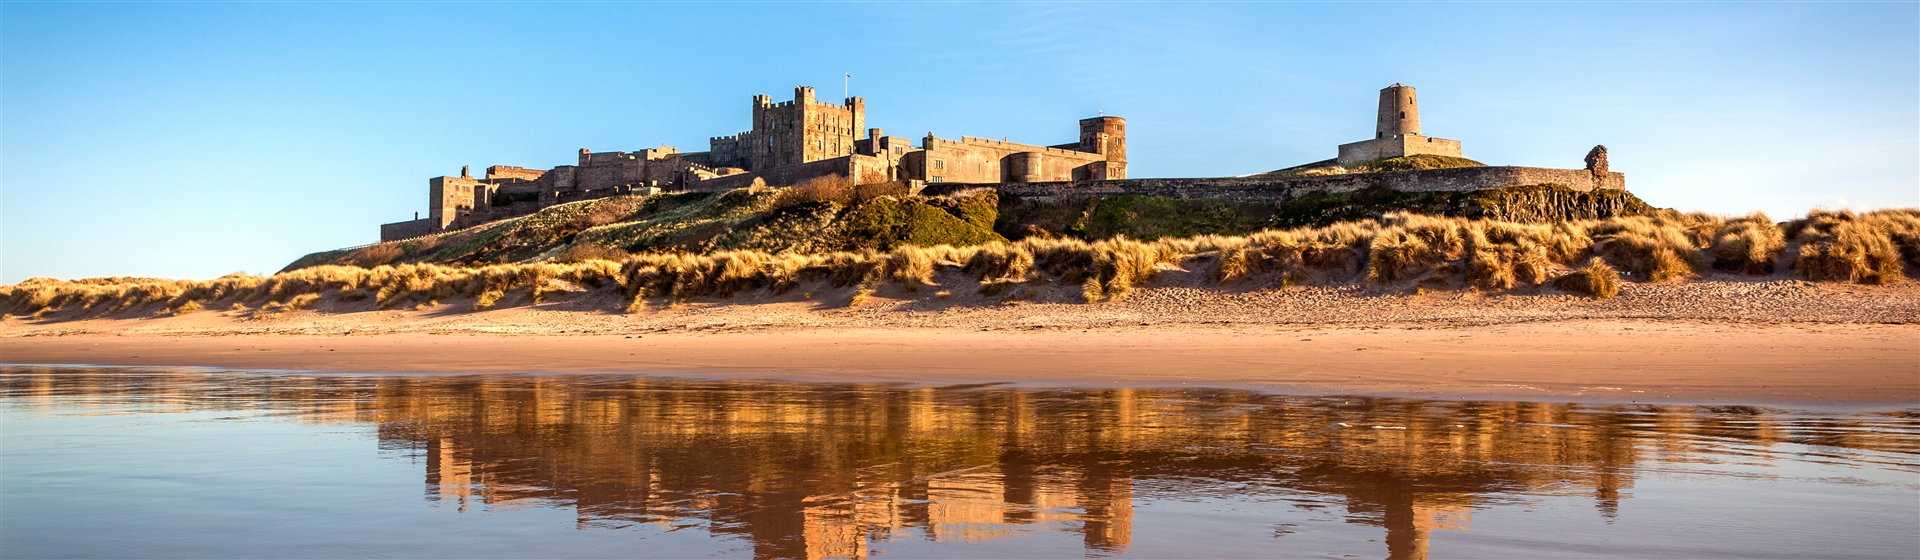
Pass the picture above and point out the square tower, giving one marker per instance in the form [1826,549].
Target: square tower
[799,131]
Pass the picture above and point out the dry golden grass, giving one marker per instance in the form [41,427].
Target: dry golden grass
[1401,250]
[837,190]
[588,250]
[1596,279]
[1862,248]
[375,255]
[1748,244]
[1648,248]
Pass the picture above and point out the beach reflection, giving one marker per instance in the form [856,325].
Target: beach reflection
[826,470]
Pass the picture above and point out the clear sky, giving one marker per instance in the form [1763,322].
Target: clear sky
[197,139]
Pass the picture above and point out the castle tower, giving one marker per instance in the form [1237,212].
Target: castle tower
[1399,112]
[1396,131]
[1106,136]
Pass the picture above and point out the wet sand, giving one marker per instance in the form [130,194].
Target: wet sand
[1802,365]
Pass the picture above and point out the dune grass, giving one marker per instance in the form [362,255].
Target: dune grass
[1864,248]
[1596,279]
[1395,252]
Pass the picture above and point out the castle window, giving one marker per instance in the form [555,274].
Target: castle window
[1403,114]
[939,164]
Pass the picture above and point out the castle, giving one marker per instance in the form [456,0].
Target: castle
[795,141]
[790,142]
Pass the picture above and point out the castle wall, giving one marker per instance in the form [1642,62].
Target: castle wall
[448,197]
[979,160]
[1265,189]
[860,168]
[500,172]
[406,230]
[728,151]
[607,169]
[1397,146]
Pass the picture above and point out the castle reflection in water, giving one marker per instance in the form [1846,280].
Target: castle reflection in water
[824,470]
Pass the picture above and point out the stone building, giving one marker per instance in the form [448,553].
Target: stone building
[789,142]
[1100,154]
[1396,131]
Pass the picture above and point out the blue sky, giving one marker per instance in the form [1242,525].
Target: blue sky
[197,139]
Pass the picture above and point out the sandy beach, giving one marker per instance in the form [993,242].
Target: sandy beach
[1783,343]
[1848,366]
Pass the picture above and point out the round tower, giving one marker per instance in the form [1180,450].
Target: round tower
[1399,112]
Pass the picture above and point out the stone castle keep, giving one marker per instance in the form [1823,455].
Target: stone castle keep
[795,141]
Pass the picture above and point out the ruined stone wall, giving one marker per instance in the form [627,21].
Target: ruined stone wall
[1267,189]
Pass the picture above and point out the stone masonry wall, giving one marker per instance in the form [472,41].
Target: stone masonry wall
[979,160]
[866,169]
[1262,189]
[406,230]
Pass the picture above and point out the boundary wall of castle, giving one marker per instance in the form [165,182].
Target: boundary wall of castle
[862,168]
[1265,189]
[406,229]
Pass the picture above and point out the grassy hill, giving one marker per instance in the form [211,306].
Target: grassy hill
[1407,163]
[811,218]
[824,216]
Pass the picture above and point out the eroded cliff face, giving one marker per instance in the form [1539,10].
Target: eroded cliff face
[1544,203]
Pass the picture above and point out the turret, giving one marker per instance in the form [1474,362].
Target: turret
[1105,136]
[1399,112]
[859,108]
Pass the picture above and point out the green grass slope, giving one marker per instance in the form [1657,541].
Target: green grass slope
[765,220]
[1407,163]
[816,219]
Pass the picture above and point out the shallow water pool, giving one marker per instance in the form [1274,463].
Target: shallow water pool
[150,462]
